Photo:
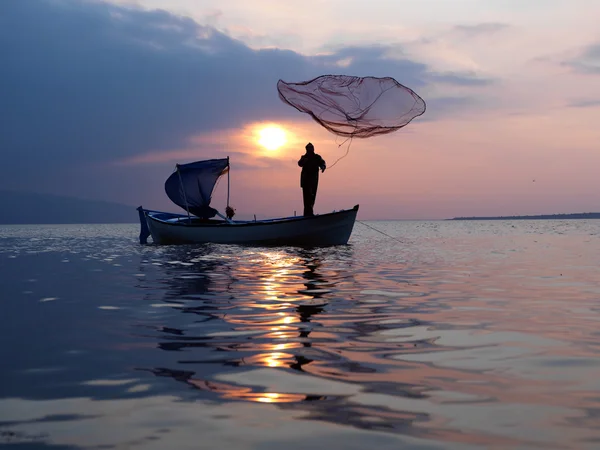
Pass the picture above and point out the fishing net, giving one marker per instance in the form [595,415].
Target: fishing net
[354,107]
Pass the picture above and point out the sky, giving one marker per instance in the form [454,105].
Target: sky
[100,100]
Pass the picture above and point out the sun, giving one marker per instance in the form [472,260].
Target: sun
[272,137]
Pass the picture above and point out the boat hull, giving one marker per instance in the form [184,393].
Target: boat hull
[320,230]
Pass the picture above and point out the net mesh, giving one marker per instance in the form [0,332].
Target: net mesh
[354,107]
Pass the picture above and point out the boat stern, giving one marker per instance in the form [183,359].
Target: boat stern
[144,230]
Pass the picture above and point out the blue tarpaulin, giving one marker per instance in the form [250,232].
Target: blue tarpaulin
[193,184]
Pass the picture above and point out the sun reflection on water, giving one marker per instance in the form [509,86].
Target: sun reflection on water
[275,300]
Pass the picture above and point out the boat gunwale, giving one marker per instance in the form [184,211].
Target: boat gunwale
[276,221]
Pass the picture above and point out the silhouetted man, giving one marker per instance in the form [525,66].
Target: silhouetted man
[309,178]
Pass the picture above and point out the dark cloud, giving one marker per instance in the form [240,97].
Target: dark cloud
[86,83]
[481,28]
[588,60]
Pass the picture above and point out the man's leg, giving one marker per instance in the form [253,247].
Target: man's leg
[313,195]
[306,196]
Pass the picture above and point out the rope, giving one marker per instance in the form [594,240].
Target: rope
[379,231]
[346,154]
[347,139]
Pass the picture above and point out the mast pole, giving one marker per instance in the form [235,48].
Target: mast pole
[187,208]
[228,172]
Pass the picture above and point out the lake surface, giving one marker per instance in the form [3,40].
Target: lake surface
[452,335]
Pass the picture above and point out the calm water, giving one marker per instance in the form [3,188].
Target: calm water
[462,335]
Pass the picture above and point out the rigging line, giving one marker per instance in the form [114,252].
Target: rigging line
[373,228]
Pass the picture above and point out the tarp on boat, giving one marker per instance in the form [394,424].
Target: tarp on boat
[193,184]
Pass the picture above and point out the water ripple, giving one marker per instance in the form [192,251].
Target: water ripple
[467,335]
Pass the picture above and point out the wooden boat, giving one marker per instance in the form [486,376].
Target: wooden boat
[191,187]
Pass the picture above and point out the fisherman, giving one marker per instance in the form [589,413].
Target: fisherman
[309,178]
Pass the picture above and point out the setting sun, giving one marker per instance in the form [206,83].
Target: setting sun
[272,137]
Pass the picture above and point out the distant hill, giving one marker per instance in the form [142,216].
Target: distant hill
[31,208]
[591,215]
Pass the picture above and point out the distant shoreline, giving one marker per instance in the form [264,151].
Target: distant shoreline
[592,215]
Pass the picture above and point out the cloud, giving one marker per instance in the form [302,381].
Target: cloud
[584,104]
[587,61]
[381,60]
[373,60]
[86,83]
[451,106]
[481,29]
[460,79]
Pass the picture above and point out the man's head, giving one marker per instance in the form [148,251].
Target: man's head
[310,148]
